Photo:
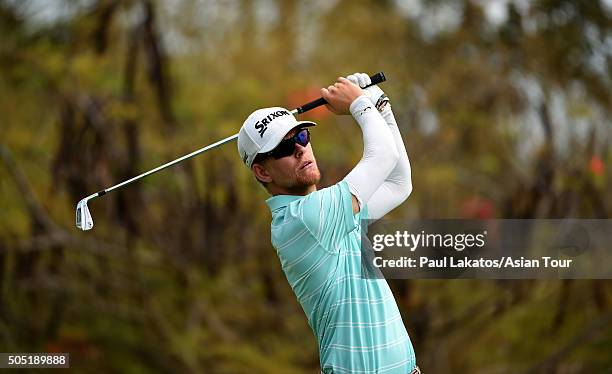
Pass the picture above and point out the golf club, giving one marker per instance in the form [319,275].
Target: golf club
[84,221]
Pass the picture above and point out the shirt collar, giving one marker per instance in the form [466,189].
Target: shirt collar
[280,201]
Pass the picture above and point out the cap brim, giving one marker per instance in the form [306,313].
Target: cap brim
[273,142]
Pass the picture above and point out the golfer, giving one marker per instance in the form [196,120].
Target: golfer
[317,233]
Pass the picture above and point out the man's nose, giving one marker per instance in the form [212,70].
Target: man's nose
[299,149]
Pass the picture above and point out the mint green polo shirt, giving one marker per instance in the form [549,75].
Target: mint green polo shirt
[356,321]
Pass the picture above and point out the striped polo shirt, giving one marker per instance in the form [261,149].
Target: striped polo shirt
[356,321]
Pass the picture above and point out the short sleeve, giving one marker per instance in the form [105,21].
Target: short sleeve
[328,214]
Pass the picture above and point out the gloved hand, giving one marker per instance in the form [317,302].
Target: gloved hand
[374,93]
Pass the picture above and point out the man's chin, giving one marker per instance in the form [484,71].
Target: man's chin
[309,179]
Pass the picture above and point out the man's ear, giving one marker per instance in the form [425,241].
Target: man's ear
[261,173]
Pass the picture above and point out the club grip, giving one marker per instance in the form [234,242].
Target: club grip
[311,105]
[376,79]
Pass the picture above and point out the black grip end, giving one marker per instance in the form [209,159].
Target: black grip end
[378,78]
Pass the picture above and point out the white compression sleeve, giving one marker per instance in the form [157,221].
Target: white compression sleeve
[378,157]
[398,185]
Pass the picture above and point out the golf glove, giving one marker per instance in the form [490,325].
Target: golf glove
[374,93]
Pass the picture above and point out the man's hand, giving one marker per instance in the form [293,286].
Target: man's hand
[340,95]
[374,93]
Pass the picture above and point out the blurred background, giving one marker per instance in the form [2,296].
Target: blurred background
[504,107]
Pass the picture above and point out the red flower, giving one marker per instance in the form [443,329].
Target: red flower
[596,165]
[477,208]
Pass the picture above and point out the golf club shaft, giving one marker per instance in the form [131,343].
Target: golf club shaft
[171,163]
[376,78]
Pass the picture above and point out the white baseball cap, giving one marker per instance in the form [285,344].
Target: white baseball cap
[263,130]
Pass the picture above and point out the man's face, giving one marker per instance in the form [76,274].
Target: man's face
[296,174]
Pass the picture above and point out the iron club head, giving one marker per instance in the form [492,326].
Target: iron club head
[84,221]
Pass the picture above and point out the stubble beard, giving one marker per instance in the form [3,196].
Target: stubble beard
[303,181]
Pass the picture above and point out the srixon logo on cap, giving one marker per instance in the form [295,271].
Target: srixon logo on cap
[262,125]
